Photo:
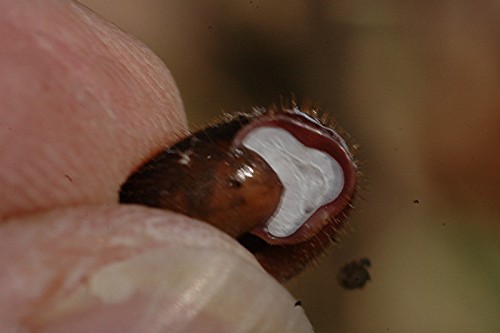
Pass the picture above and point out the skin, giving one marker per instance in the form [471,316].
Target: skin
[83,105]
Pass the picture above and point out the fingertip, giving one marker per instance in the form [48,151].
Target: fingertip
[82,103]
[140,269]
[180,290]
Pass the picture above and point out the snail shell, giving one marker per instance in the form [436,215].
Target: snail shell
[278,180]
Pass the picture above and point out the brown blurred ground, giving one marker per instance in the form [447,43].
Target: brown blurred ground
[417,84]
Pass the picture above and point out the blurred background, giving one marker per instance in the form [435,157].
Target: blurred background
[417,85]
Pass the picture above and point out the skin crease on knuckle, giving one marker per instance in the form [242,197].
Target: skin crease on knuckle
[280,180]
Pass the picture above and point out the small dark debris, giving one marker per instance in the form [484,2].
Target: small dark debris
[308,210]
[416,201]
[298,303]
[354,275]
[444,224]
[69,178]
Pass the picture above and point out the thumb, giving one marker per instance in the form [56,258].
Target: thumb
[134,269]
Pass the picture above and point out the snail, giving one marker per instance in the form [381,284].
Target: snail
[280,180]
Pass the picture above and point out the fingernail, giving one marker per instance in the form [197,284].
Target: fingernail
[177,289]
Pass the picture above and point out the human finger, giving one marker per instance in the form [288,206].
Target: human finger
[82,103]
[134,269]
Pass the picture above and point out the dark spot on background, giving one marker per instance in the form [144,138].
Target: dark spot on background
[298,303]
[354,275]
[68,178]
[416,201]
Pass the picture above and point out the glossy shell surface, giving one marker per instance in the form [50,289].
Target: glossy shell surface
[214,175]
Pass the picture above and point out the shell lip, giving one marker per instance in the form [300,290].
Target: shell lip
[310,132]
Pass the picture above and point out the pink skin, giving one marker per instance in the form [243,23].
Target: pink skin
[83,104]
